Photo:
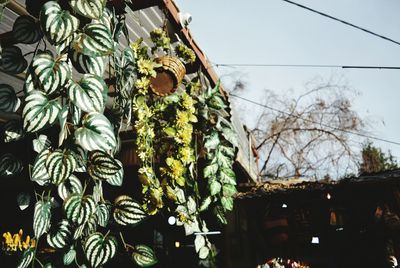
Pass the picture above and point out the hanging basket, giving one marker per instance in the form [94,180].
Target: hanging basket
[169,76]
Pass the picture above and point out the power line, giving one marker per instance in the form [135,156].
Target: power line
[306,66]
[342,21]
[311,121]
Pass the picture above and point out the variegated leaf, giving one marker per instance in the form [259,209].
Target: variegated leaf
[69,257]
[51,73]
[99,249]
[61,235]
[93,9]
[41,218]
[26,258]
[79,208]
[102,166]
[40,143]
[144,256]
[96,133]
[103,213]
[60,164]
[86,64]
[10,165]
[117,179]
[72,185]
[127,211]
[26,30]
[9,102]
[95,41]
[12,61]
[39,172]
[64,131]
[89,94]
[57,24]
[13,131]
[39,111]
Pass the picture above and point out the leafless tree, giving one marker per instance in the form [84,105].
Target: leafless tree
[310,135]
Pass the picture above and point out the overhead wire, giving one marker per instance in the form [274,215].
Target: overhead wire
[311,121]
[343,21]
[305,66]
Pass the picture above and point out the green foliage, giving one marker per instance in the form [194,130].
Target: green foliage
[375,160]
[99,249]
[26,30]
[10,165]
[127,211]
[144,256]
[41,218]
[12,61]
[9,101]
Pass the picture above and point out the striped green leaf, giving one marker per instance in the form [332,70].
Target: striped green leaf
[12,61]
[26,30]
[144,256]
[86,64]
[99,249]
[51,73]
[26,258]
[57,24]
[96,133]
[76,114]
[29,85]
[102,166]
[93,9]
[39,172]
[71,185]
[60,164]
[79,208]
[40,143]
[117,179]
[90,226]
[60,236]
[64,131]
[127,211]
[39,111]
[41,218]
[13,131]
[89,94]
[9,102]
[10,165]
[69,257]
[95,40]
[103,213]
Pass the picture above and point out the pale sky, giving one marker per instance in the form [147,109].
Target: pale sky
[275,32]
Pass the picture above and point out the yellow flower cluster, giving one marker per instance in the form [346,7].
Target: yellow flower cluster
[147,67]
[15,242]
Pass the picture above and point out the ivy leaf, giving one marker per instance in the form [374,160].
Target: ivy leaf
[92,9]
[199,242]
[191,205]
[99,249]
[41,218]
[211,170]
[9,102]
[170,131]
[230,135]
[229,190]
[41,143]
[26,258]
[217,102]
[212,141]
[223,161]
[52,74]
[79,208]
[39,111]
[60,237]
[12,61]
[206,203]
[96,133]
[89,94]
[215,187]
[57,24]
[219,212]
[60,164]
[144,256]
[227,176]
[102,166]
[95,40]
[229,151]
[26,30]
[10,165]
[127,211]
[227,203]
[203,253]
